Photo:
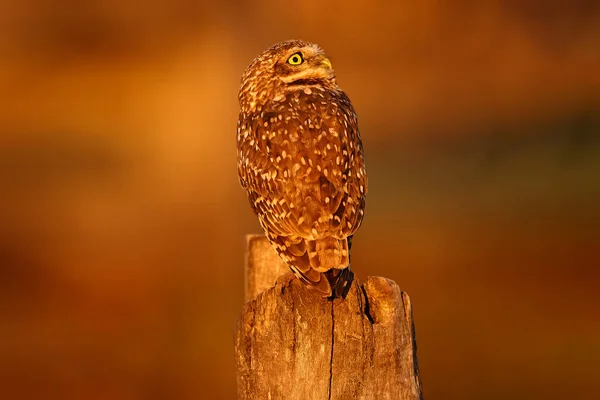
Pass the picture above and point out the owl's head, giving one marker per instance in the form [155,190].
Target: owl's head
[287,66]
[300,63]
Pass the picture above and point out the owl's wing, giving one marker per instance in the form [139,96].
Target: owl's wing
[305,172]
[334,178]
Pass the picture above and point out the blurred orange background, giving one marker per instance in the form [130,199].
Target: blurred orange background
[122,222]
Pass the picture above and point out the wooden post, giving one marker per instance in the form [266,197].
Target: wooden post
[292,344]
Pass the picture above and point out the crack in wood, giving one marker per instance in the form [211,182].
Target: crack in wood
[367,308]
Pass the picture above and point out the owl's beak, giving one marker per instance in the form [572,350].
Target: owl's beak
[325,62]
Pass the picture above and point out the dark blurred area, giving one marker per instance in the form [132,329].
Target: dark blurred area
[122,222]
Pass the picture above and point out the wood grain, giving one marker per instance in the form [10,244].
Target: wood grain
[292,344]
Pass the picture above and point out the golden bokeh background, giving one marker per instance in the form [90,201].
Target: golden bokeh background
[122,221]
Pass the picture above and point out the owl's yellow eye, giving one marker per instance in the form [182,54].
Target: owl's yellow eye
[296,59]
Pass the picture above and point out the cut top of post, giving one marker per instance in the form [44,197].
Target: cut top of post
[263,266]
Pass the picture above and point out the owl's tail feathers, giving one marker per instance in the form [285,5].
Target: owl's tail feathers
[322,264]
[340,281]
[330,257]
[328,253]
[332,284]
[314,280]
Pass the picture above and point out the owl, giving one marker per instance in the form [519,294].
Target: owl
[300,159]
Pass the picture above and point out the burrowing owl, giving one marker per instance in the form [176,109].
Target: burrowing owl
[300,158]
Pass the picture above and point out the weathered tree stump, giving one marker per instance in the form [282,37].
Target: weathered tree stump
[293,344]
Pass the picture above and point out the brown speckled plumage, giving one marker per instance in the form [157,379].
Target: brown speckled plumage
[300,158]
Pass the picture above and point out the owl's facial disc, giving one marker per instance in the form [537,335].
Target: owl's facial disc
[307,65]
